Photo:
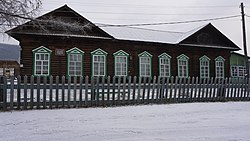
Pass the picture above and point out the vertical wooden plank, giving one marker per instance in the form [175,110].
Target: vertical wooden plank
[196,89]
[238,89]
[63,91]
[171,89]
[38,93]
[92,96]
[119,90]
[124,90]
[184,94]
[51,92]
[199,89]
[139,91]
[225,89]
[97,90]
[248,90]
[245,88]
[69,91]
[162,89]
[86,90]
[210,95]
[179,87]
[188,88]
[75,84]
[32,92]
[44,91]
[175,89]
[153,89]
[103,91]
[214,90]
[18,92]
[57,91]
[203,90]
[228,88]
[144,89]
[192,89]
[108,91]
[25,93]
[207,88]
[114,88]
[148,89]
[158,87]
[129,89]
[5,93]
[11,93]
[134,88]
[80,91]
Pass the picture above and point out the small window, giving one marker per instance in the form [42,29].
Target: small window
[204,67]
[99,62]
[41,62]
[75,62]
[219,67]
[234,71]
[121,63]
[164,65]
[182,65]
[145,64]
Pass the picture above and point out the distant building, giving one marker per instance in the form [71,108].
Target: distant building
[120,51]
[238,65]
[9,60]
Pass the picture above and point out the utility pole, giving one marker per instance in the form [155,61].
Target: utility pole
[244,38]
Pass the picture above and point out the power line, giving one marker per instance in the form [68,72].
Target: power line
[164,23]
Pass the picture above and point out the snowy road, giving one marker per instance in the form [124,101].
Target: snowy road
[176,122]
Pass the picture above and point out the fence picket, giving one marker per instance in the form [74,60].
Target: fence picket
[63,91]
[32,92]
[25,93]
[158,87]
[44,91]
[171,89]
[123,92]
[148,89]
[80,91]
[129,89]
[113,90]
[97,90]
[38,93]
[86,90]
[92,95]
[119,90]
[11,93]
[175,88]
[69,91]
[57,91]
[103,91]
[18,92]
[153,90]
[134,87]
[139,91]
[75,79]
[108,91]
[50,92]
[144,89]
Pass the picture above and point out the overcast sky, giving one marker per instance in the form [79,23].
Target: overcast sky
[154,11]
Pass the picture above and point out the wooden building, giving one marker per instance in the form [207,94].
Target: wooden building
[238,65]
[54,49]
[9,60]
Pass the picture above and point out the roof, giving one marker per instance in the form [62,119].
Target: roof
[9,52]
[140,34]
[135,34]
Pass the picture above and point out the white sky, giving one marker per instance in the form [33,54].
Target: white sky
[148,11]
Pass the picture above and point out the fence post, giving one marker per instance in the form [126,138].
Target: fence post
[1,89]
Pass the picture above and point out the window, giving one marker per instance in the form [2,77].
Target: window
[145,64]
[75,62]
[204,67]
[98,62]
[219,67]
[41,62]
[164,65]
[238,71]
[121,63]
[182,65]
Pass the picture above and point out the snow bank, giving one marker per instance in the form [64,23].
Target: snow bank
[175,122]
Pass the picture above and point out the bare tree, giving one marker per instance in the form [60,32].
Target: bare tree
[14,12]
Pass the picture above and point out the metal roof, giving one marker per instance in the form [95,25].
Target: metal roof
[140,34]
[9,52]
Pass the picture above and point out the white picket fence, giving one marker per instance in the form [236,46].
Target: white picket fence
[61,92]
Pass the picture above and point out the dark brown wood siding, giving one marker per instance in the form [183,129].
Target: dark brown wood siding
[59,63]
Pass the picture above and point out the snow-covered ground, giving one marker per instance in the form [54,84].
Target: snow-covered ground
[176,122]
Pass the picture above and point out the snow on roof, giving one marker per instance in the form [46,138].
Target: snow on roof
[9,52]
[140,34]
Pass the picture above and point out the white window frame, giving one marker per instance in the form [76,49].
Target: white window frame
[99,53]
[182,69]
[204,67]
[121,71]
[164,68]
[39,52]
[219,67]
[78,60]
[148,65]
